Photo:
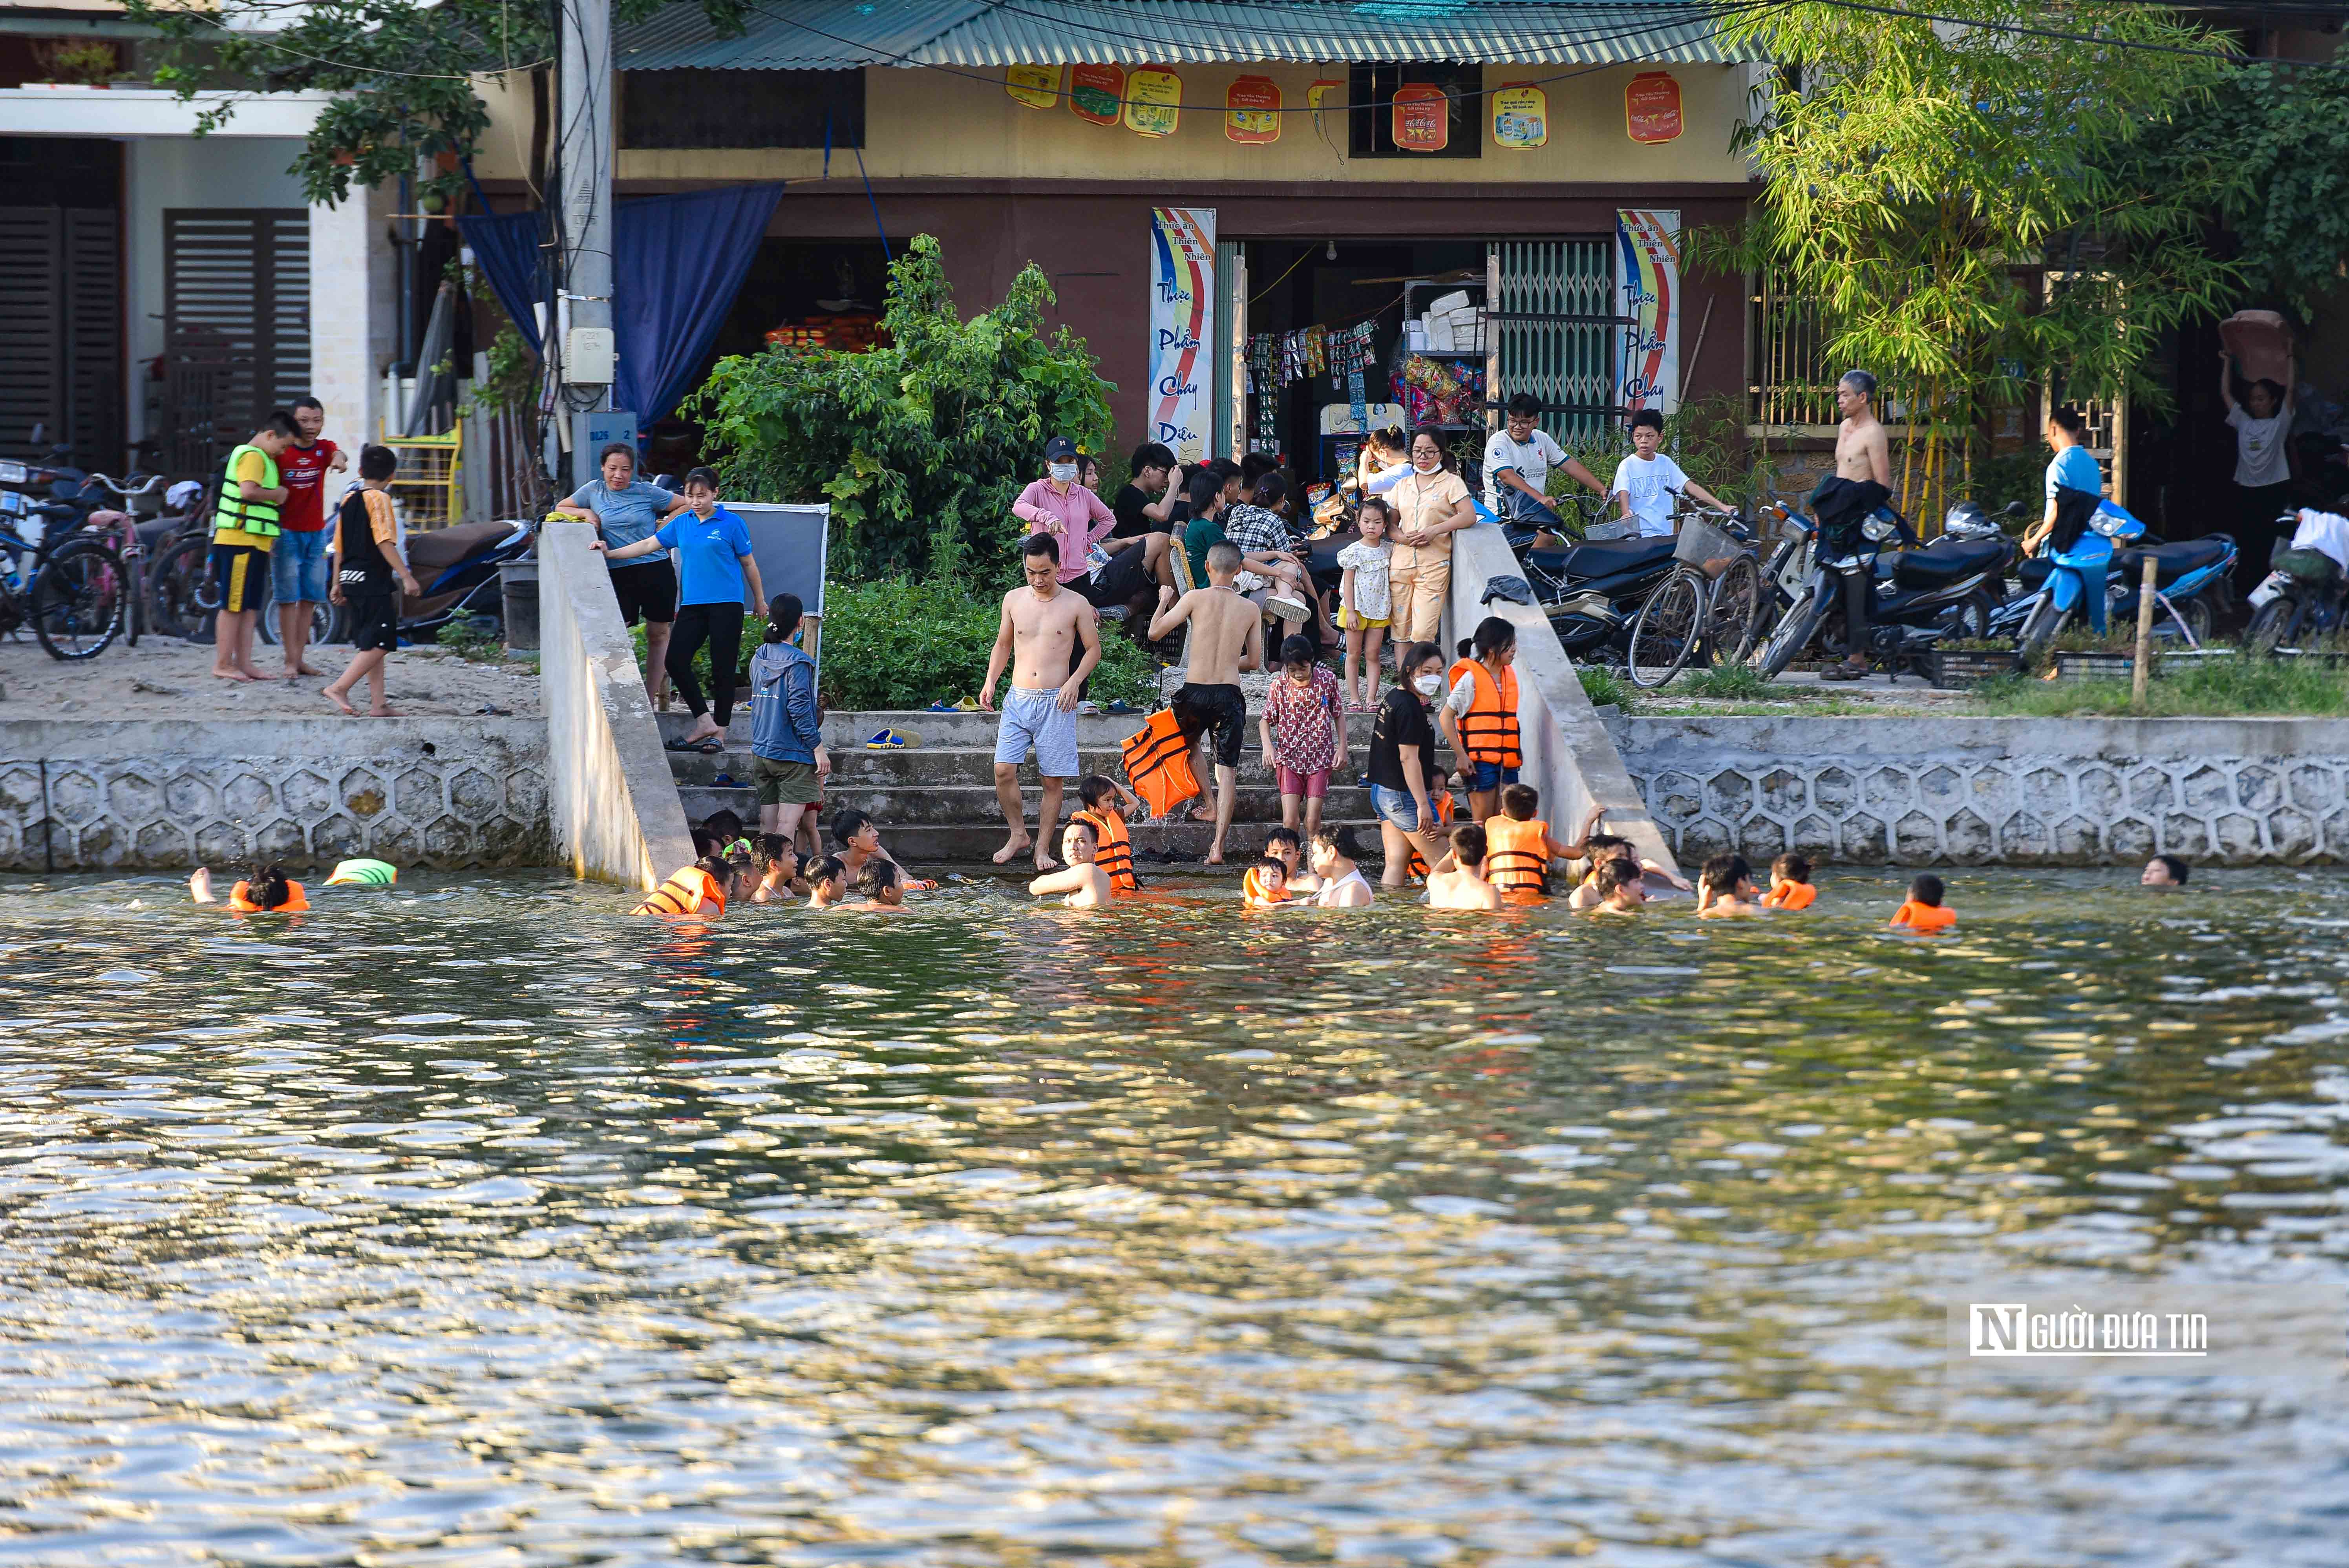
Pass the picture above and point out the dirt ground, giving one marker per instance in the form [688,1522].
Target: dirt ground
[163,677]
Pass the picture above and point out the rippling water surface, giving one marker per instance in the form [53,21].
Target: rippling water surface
[478,1223]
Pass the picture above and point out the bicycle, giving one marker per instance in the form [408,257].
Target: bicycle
[72,596]
[1709,602]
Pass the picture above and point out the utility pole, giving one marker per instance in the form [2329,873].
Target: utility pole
[586,350]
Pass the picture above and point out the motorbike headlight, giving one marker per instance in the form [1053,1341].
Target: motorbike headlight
[1877,531]
[1793,527]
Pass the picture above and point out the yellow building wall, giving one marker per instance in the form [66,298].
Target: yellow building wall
[936,124]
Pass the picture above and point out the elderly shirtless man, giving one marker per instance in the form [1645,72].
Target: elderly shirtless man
[1041,625]
[1862,483]
[1226,637]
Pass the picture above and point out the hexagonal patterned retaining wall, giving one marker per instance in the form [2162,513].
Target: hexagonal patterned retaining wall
[1975,790]
[440,792]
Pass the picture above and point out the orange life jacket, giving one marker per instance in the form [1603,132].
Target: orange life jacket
[1791,895]
[1158,763]
[1516,854]
[1113,850]
[1489,728]
[1925,916]
[1440,802]
[1255,893]
[240,899]
[683,894]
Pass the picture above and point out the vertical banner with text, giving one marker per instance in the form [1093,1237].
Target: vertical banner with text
[1648,281]
[1182,327]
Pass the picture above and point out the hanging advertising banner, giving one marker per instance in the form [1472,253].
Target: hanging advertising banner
[1097,93]
[1652,107]
[1037,86]
[1648,281]
[1520,115]
[1422,117]
[1182,327]
[1252,110]
[1154,102]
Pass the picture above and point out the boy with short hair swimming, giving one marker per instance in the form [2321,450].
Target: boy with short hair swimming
[1622,886]
[1790,883]
[779,870]
[1923,913]
[827,880]
[883,887]
[2164,870]
[1083,879]
[1463,886]
[1726,888]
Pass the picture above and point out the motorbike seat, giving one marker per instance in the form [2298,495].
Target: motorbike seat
[2032,572]
[1945,562]
[2171,561]
[1604,558]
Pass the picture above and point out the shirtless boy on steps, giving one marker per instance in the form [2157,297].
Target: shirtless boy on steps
[1226,637]
[1038,636]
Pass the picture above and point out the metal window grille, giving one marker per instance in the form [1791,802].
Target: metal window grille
[428,487]
[1569,365]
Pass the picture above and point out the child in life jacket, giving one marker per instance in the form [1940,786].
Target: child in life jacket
[883,888]
[1083,879]
[1923,913]
[696,892]
[1284,845]
[1725,889]
[1519,846]
[1265,885]
[265,890]
[1790,883]
[1107,807]
[827,881]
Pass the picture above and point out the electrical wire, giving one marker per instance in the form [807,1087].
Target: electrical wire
[2109,41]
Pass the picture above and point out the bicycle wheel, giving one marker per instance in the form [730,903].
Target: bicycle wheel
[1667,627]
[1792,635]
[1736,607]
[181,592]
[77,600]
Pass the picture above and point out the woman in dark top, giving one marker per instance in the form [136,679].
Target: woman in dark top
[1403,773]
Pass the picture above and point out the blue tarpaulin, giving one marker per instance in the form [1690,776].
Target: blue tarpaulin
[677,263]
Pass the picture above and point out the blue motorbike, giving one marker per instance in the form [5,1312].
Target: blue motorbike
[2059,586]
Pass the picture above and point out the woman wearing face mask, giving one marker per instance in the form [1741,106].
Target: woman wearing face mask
[1058,505]
[1402,771]
[1430,505]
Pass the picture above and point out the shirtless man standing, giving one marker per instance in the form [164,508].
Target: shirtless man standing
[1226,637]
[1041,625]
[1862,483]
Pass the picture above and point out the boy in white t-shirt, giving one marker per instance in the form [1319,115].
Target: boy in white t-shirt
[1644,480]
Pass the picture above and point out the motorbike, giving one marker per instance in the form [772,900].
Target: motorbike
[1917,595]
[2190,583]
[1592,592]
[2188,578]
[2306,596]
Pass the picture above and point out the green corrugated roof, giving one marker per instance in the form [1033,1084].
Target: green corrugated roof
[834,35]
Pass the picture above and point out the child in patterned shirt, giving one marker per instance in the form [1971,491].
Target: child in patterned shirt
[1366,604]
[1303,728]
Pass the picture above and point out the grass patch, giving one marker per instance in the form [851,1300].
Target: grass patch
[1603,686]
[2206,689]
[1737,683]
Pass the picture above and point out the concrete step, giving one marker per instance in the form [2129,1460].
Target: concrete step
[931,767]
[845,731]
[929,848]
[965,805]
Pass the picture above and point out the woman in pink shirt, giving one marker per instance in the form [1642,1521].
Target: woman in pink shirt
[1127,569]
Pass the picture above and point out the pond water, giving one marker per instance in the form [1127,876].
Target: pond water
[475,1222]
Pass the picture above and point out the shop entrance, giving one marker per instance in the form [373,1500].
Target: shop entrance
[1441,332]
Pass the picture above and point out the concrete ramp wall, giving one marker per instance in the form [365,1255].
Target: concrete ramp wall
[1569,756]
[610,794]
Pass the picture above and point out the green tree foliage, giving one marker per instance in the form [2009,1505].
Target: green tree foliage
[2269,142]
[405,72]
[921,444]
[1910,167]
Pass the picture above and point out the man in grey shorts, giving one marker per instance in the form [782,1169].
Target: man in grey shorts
[1038,636]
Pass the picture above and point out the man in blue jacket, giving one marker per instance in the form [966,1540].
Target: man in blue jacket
[787,760]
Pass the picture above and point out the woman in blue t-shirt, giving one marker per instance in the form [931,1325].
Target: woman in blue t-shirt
[715,571]
[2075,486]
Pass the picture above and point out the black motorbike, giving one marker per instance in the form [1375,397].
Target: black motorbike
[1919,596]
[1591,592]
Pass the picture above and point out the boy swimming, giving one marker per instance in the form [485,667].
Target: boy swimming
[1924,913]
[1790,883]
[1727,889]
[1083,879]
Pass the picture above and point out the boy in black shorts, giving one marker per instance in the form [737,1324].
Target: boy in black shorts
[371,557]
